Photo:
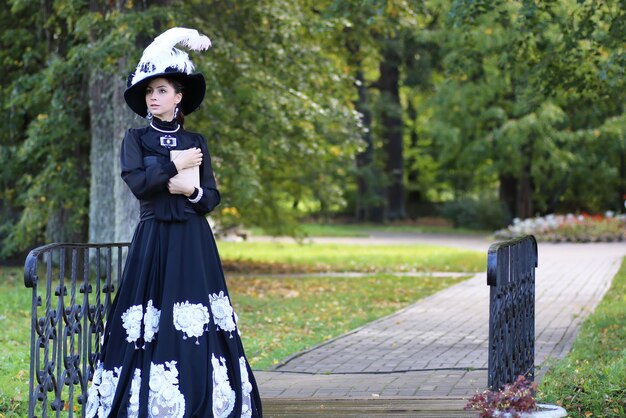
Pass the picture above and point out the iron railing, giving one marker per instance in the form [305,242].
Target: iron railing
[511,277]
[68,313]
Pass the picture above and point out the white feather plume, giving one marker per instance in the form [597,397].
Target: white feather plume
[162,54]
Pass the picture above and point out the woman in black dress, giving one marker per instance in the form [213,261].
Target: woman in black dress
[171,344]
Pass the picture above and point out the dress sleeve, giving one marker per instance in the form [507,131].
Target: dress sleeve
[210,195]
[143,179]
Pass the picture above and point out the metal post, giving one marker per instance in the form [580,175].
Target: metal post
[511,277]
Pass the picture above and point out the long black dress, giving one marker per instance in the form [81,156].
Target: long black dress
[171,344]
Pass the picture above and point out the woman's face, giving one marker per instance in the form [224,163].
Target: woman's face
[161,99]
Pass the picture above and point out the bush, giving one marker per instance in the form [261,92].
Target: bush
[476,213]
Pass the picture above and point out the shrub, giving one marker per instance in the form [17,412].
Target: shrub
[476,213]
[513,399]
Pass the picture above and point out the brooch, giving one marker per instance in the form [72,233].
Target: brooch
[168,141]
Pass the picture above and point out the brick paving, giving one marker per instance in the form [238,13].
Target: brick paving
[437,347]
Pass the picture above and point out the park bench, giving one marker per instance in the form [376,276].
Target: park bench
[73,286]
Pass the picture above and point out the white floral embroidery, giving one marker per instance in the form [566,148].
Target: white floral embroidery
[191,319]
[223,394]
[165,400]
[102,390]
[151,322]
[222,312]
[131,320]
[246,389]
[133,405]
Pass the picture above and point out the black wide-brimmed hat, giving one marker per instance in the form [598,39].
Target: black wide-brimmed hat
[162,59]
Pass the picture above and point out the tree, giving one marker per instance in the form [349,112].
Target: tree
[374,35]
[517,75]
[277,115]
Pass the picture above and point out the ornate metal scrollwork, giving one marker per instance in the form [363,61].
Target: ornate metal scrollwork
[68,311]
[511,277]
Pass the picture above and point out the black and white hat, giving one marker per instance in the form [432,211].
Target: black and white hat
[162,59]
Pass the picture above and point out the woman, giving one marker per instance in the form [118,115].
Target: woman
[171,345]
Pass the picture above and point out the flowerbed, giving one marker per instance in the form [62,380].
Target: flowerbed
[569,228]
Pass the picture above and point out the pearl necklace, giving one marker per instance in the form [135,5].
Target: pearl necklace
[163,130]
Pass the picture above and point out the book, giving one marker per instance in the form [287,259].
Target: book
[191,174]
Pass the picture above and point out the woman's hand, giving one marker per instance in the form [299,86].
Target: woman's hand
[176,185]
[188,158]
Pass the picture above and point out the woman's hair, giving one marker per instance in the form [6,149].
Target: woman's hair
[178,88]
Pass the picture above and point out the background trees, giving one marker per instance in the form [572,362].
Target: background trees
[378,110]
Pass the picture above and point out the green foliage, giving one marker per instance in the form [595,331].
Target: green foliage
[277,112]
[46,148]
[277,116]
[589,382]
[482,213]
[519,96]
[45,152]
[530,92]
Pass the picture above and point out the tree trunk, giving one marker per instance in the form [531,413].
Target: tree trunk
[391,120]
[508,193]
[101,200]
[525,188]
[113,210]
[413,194]
[369,198]
[369,195]
[126,204]
[621,198]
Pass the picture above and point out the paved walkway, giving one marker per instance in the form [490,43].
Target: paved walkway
[437,347]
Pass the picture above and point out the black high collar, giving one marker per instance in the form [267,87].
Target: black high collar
[164,125]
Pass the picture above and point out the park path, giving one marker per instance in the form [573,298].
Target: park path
[437,347]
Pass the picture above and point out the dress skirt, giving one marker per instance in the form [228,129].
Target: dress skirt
[171,343]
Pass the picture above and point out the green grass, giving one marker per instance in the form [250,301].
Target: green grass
[591,380]
[363,230]
[279,317]
[370,258]
[14,343]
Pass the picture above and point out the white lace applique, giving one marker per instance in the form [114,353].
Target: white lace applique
[246,389]
[237,323]
[191,319]
[131,321]
[102,390]
[151,322]
[165,400]
[222,312]
[134,316]
[92,393]
[133,404]
[223,394]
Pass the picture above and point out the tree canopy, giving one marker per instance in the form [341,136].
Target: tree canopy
[381,109]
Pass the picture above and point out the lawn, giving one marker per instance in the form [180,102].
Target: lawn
[363,258]
[14,342]
[363,230]
[591,380]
